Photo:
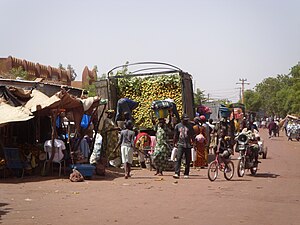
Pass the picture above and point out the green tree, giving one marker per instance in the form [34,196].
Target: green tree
[15,73]
[92,90]
[267,91]
[278,95]
[295,71]
[124,70]
[252,100]
[199,97]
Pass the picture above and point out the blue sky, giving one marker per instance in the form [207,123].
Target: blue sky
[216,41]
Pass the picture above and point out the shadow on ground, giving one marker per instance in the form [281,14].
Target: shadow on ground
[3,210]
[266,175]
[111,174]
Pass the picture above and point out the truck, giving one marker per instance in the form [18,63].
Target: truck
[154,81]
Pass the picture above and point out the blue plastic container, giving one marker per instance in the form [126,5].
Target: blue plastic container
[86,170]
[224,111]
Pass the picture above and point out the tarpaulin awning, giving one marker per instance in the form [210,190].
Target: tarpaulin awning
[47,103]
[37,98]
[10,113]
[60,100]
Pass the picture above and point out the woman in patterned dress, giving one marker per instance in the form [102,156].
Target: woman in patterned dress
[161,151]
[200,142]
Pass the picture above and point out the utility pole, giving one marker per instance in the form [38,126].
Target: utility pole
[242,82]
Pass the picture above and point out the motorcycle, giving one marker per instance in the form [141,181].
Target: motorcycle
[246,159]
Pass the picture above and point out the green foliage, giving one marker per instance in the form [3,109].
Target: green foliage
[19,72]
[295,71]
[147,89]
[276,95]
[199,97]
[252,100]
[92,90]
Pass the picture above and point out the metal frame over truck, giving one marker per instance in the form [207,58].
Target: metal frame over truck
[157,73]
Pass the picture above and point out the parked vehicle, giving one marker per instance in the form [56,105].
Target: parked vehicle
[147,82]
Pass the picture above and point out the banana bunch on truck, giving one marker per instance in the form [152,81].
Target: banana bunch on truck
[145,90]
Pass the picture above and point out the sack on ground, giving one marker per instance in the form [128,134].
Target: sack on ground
[76,176]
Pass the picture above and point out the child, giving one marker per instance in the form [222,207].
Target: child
[127,142]
[224,147]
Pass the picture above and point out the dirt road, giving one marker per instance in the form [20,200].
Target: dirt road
[270,198]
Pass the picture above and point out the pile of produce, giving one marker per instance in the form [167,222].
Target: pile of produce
[145,90]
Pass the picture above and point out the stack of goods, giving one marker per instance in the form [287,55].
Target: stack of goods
[148,89]
[161,108]
[224,111]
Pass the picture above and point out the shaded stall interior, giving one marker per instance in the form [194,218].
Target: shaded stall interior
[29,136]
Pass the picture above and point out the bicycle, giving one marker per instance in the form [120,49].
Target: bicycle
[219,164]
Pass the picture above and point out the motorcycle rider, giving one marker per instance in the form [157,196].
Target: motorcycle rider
[253,142]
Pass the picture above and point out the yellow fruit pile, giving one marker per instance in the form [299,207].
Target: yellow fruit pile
[148,89]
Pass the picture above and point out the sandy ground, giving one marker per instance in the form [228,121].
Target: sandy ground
[272,197]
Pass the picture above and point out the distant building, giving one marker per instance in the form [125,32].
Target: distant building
[35,70]
[46,74]
[88,76]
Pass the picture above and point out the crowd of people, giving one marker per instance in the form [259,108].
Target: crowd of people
[193,140]
[187,134]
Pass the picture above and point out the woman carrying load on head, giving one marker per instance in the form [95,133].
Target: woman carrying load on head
[200,143]
[161,150]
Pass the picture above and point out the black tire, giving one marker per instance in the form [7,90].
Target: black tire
[253,170]
[212,171]
[241,168]
[229,174]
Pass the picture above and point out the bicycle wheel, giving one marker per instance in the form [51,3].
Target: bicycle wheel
[212,171]
[229,170]
[241,168]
